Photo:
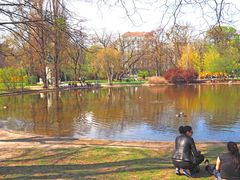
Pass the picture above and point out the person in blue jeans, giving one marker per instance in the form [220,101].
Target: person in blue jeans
[227,165]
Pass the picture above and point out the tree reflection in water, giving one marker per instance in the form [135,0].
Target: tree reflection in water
[141,113]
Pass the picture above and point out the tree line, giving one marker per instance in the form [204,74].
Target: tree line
[44,39]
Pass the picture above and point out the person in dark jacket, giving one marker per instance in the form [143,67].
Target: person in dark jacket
[181,131]
[186,156]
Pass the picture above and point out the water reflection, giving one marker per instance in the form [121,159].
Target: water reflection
[128,113]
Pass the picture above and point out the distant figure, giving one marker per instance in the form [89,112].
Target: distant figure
[227,165]
[186,156]
[5,107]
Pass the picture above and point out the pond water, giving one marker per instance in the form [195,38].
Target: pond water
[128,113]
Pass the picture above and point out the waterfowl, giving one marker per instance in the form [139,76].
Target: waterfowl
[178,115]
[181,114]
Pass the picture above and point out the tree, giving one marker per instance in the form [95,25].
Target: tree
[108,60]
[41,27]
[159,50]
[179,37]
[76,51]
[222,54]
[221,35]
[190,59]
[130,56]
[227,62]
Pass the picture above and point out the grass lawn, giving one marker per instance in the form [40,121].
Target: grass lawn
[93,162]
[3,88]
[116,82]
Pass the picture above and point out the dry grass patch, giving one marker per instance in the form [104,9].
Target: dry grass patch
[157,80]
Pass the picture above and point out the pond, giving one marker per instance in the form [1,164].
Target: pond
[128,113]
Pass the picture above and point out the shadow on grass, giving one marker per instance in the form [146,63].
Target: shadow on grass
[71,170]
[39,139]
[83,170]
[76,171]
[59,156]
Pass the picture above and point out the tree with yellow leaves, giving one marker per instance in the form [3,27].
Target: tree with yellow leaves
[109,61]
[190,59]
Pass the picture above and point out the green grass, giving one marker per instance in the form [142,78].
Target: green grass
[116,82]
[93,163]
[3,88]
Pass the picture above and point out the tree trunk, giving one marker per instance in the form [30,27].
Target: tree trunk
[56,58]
[110,79]
[158,68]
[56,70]
[44,79]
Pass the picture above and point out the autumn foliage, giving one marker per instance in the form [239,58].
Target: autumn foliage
[178,75]
[206,75]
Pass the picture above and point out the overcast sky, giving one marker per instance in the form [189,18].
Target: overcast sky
[114,19]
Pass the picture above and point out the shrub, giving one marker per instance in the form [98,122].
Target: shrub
[157,80]
[32,80]
[11,78]
[145,73]
[178,75]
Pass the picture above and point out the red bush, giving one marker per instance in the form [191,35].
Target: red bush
[177,75]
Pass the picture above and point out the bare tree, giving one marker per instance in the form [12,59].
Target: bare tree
[178,37]
[104,39]
[76,51]
[130,56]
[159,51]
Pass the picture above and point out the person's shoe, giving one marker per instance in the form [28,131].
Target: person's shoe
[187,173]
[178,172]
[208,168]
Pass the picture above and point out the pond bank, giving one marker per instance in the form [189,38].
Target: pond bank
[27,156]
[11,138]
[38,89]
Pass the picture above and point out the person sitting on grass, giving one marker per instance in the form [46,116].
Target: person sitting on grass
[186,156]
[227,165]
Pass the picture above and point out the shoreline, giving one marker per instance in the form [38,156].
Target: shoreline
[42,90]
[36,90]
[19,139]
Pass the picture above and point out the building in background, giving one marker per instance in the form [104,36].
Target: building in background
[141,43]
[137,40]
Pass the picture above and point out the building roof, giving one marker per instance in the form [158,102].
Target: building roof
[137,34]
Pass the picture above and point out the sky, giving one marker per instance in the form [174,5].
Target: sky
[113,19]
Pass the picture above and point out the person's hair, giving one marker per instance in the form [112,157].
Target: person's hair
[187,128]
[181,130]
[234,151]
